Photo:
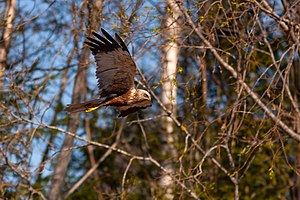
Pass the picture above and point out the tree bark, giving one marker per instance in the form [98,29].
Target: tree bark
[9,17]
[65,155]
[169,91]
[74,120]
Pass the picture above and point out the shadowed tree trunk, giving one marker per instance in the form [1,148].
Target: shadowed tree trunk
[10,12]
[296,89]
[64,158]
[94,19]
[79,86]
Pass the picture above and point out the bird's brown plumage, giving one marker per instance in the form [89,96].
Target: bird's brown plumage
[115,74]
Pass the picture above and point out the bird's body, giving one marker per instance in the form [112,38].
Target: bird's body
[115,73]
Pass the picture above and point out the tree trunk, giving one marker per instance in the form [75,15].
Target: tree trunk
[74,120]
[169,91]
[65,155]
[8,29]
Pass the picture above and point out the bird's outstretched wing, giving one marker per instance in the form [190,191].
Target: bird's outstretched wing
[115,67]
[126,110]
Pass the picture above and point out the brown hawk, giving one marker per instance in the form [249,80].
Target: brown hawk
[115,73]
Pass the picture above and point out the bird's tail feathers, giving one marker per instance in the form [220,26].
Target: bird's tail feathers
[86,106]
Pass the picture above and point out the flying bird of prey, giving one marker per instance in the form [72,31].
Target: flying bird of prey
[115,73]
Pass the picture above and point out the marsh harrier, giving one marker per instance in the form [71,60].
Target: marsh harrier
[115,73]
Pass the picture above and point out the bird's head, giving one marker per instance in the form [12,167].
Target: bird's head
[143,95]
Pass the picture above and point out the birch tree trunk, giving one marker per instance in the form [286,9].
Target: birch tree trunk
[74,120]
[10,13]
[169,90]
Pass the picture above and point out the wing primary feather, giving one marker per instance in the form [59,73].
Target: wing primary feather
[102,39]
[106,43]
[121,42]
[95,46]
[93,50]
[98,42]
[108,37]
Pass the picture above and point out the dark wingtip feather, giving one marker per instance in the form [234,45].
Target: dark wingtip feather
[102,39]
[106,42]
[93,47]
[121,42]
[106,34]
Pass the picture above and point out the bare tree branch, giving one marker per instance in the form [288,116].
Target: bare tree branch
[253,95]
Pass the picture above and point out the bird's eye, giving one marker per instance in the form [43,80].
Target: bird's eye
[146,96]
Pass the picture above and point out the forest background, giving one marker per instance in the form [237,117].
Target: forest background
[225,81]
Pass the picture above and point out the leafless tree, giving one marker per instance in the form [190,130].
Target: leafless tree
[223,76]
